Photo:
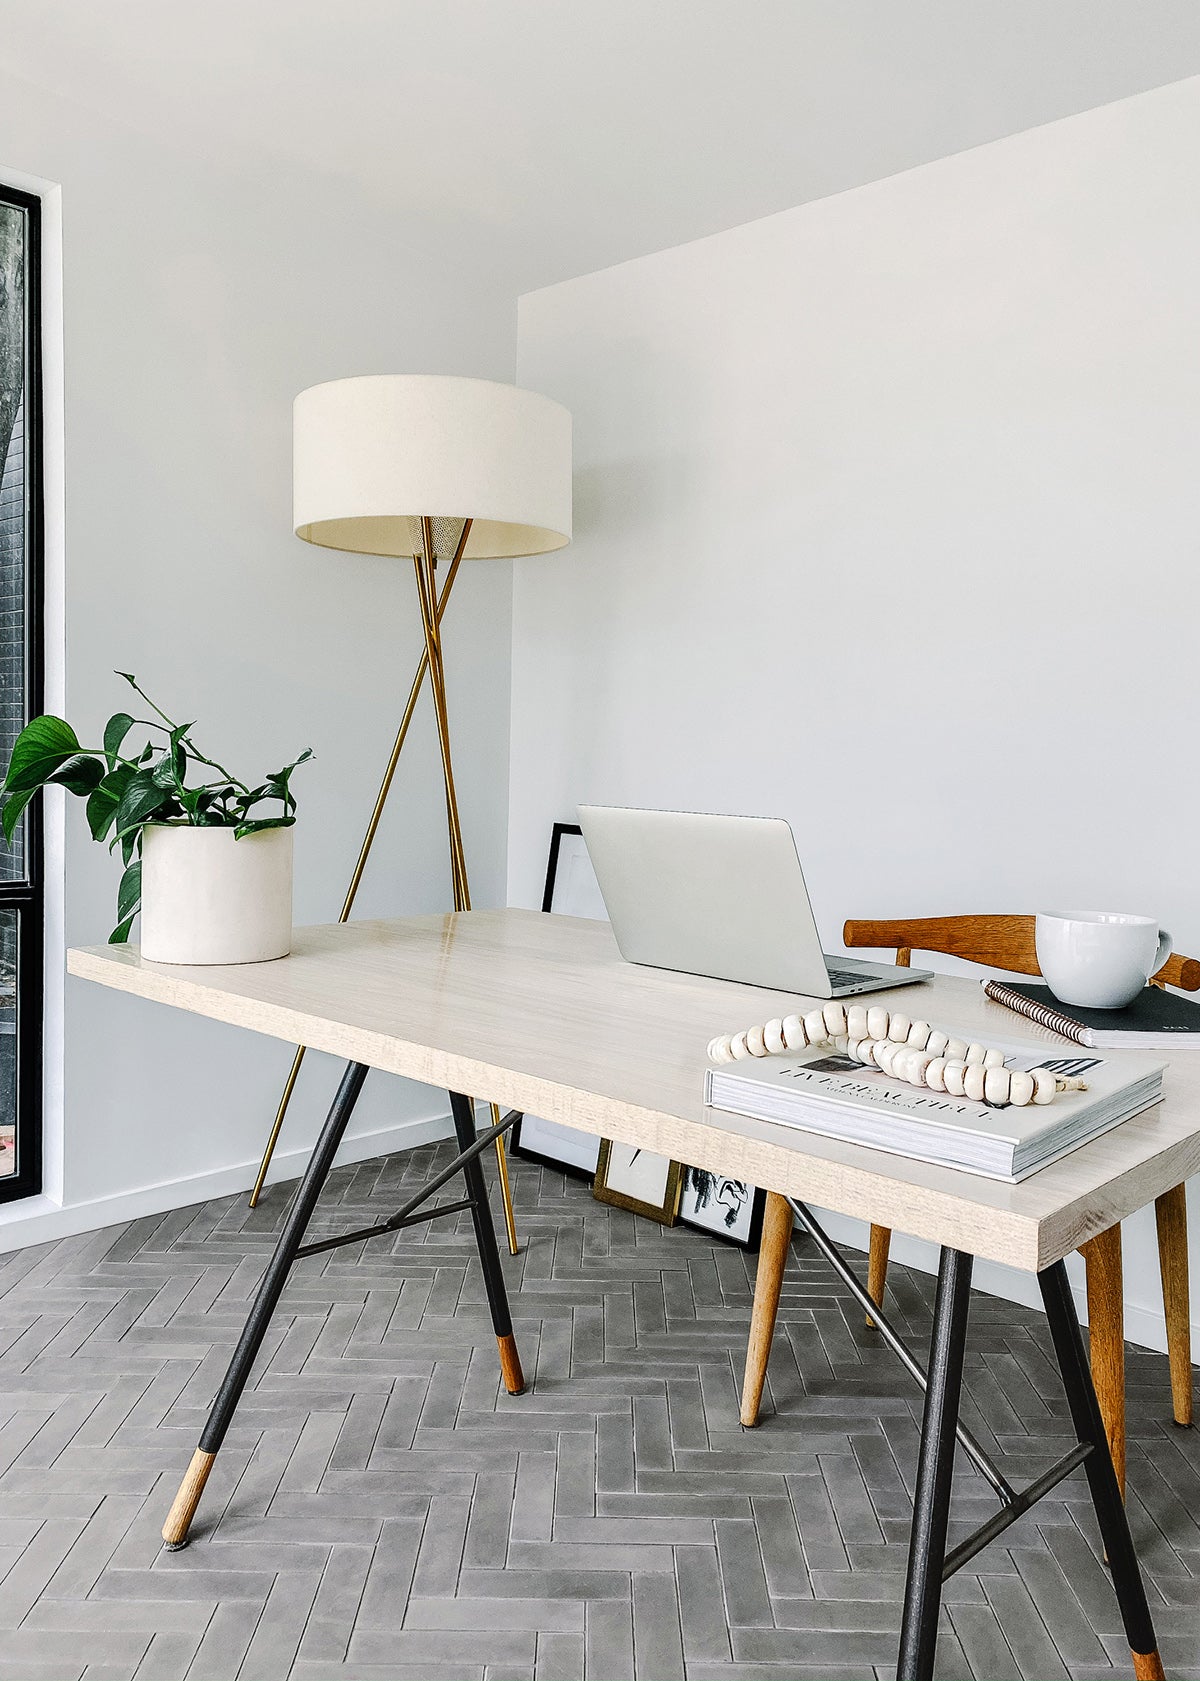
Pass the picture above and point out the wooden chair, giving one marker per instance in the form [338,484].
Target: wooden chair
[1007,942]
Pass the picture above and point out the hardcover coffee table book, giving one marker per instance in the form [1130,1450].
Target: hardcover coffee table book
[836,1096]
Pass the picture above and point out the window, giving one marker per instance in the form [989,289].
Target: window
[20,692]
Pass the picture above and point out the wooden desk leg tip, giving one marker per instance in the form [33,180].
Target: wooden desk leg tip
[877,1266]
[510,1365]
[1147,1666]
[179,1518]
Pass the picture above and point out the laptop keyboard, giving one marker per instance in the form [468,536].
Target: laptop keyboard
[846,977]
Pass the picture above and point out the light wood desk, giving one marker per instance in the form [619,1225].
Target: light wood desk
[539,1013]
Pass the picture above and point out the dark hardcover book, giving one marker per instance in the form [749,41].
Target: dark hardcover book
[1155,1017]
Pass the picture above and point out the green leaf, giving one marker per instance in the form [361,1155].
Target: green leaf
[276,787]
[14,805]
[115,731]
[104,800]
[121,932]
[141,799]
[163,772]
[129,844]
[129,894]
[43,745]
[79,774]
[257,824]
[101,809]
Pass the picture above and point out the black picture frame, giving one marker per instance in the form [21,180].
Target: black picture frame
[519,1140]
[750,1236]
[556,835]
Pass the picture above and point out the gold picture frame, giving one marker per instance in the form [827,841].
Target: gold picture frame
[630,1178]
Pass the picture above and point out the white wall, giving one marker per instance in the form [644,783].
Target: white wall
[887,521]
[195,306]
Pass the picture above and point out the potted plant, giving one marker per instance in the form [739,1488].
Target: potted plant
[212,878]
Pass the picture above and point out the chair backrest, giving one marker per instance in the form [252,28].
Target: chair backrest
[999,942]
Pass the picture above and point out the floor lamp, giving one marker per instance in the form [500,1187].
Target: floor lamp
[438,470]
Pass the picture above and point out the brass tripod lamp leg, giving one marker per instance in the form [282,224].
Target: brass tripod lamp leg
[427,594]
[364,853]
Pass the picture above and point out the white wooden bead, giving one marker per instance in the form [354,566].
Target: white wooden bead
[956,1050]
[975,1054]
[738,1047]
[898,1026]
[877,1022]
[885,1053]
[794,1036]
[936,1043]
[973,1078]
[773,1036]
[835,1019]
[915,1064]
[856,1021]
[756,1041]
[918,1035]
[993,1058]
[952,1078]
[1020,1087]
[935,1074]
[718,1049]
[995,1085]
[814,1026]
[1044,1086]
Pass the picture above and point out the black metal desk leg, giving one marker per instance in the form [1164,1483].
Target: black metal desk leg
[175,1530]
[935,1469]
[489,1255]
[1102,1479]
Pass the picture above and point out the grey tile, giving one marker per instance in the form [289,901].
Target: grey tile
[551,1615]
[560,1657]
[608,1645]
[657,1638]
[743,1579]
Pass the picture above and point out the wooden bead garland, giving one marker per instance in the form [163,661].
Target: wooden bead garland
[911,1051]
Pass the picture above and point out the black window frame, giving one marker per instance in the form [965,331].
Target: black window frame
[27,898]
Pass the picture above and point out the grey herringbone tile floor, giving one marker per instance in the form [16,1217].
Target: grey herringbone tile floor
[383,1512]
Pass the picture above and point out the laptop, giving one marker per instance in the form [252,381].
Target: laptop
[720,896]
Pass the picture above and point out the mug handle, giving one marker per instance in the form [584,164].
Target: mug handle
[1163,952]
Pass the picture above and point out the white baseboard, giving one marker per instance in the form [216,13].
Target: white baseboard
[42,1220]
[1144,1326]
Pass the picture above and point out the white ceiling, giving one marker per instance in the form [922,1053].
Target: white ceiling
[551,137]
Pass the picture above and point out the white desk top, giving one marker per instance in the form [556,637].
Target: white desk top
[539,1013]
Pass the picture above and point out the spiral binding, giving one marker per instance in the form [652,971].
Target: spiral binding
[1045,1015]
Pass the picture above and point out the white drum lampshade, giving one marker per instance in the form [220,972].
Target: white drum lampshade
[373,456]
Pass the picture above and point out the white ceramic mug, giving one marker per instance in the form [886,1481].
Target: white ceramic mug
[1099,959]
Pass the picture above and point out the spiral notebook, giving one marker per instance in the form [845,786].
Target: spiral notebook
[1156,1020]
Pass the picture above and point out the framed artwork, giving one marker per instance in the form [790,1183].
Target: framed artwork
[553,1145]
[571,890]
[639,1181]
[725,1208]
[571,886]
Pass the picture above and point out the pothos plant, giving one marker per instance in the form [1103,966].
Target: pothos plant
[125,792]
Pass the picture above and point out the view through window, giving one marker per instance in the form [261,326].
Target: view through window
[20,692]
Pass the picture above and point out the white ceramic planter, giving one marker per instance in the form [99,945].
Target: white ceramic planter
[208,898]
